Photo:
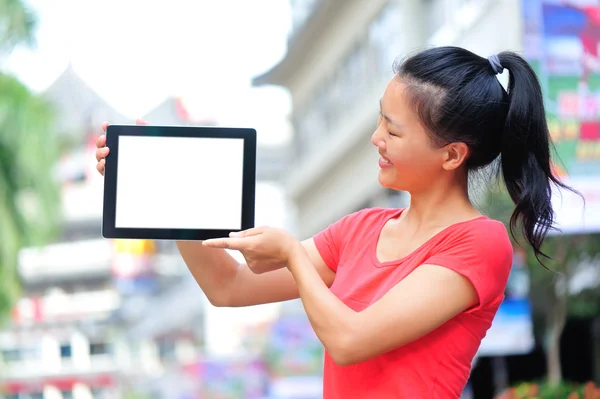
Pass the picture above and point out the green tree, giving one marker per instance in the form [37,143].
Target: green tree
[29,197]
[550,296]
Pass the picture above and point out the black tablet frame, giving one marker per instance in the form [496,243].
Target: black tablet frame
[113,133]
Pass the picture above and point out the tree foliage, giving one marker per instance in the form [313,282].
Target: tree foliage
[29,196]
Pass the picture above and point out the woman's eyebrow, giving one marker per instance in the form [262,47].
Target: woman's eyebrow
[387,118]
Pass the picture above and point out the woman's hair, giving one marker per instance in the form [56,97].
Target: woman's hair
[458,98]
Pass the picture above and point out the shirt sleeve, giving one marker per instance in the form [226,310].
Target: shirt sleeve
[483,254]
[330,241]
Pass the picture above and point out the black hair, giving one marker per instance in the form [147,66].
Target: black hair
[458,98]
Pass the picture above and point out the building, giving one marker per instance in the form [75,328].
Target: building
[339,60]
[94,317]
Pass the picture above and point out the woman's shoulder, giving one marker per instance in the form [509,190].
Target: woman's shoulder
[480,249]
[481,230]
[479,238]
[486,228]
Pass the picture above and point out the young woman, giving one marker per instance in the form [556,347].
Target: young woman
[401,298]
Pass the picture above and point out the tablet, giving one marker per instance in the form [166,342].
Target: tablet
[178,183]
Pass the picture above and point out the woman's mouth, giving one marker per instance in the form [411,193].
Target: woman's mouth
[384,162]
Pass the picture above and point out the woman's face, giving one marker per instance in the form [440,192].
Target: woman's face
[408,159]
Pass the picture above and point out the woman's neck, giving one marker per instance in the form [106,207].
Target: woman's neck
[440,206]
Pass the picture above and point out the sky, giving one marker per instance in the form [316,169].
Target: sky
[136,53]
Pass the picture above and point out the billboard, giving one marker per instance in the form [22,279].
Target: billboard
[561,41]
[224,378]
[295,359]
[293,348]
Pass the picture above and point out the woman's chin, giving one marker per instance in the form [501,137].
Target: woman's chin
[387,180]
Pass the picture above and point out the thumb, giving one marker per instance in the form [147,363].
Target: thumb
[246,233]
[140,122]
[238,244]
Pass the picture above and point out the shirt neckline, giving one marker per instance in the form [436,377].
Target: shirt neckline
[395,214]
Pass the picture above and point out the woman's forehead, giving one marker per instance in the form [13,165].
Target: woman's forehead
[394,100]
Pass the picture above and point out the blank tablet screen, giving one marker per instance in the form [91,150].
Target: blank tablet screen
[179,183]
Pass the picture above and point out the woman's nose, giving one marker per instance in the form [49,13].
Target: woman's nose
[377,140]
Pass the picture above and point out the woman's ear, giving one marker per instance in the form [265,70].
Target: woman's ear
[455,155]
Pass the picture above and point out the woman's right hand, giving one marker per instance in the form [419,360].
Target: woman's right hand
[102,150]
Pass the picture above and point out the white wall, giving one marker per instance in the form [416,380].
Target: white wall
[349,26]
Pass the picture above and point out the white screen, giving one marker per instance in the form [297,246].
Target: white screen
[179,183]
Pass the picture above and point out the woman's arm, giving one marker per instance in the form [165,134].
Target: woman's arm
[424,300]
[226,282]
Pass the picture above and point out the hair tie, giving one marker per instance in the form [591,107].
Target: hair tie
[495,63]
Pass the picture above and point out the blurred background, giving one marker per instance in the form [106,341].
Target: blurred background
[84,317]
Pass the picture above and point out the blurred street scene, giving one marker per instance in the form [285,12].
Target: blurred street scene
[84,317]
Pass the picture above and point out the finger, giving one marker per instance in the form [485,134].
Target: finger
[247,233]
[101,153]
[105,126]
[140,122]
[226,243]
[101,141]
[100,166]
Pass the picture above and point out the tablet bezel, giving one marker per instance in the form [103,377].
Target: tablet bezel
[113,132]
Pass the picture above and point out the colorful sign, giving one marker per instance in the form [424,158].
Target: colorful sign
[294,349]
[561,42]
[133,265]
[229,378]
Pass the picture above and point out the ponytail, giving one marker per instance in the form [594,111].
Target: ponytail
[525,154]
[459,99]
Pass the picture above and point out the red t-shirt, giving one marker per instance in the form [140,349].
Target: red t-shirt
[438,364]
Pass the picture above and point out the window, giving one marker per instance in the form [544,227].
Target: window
[100,348]
[437,16]
[20,354]
[35,395]
[385,38]
[11,355]
[166,350]
[65,351]
[98,393]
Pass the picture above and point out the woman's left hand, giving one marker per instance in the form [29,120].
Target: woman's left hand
[264,248]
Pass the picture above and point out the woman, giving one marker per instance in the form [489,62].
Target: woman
[401,298]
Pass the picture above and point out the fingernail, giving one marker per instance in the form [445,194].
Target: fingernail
[234,234]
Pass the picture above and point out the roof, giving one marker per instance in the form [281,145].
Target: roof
[77,105]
